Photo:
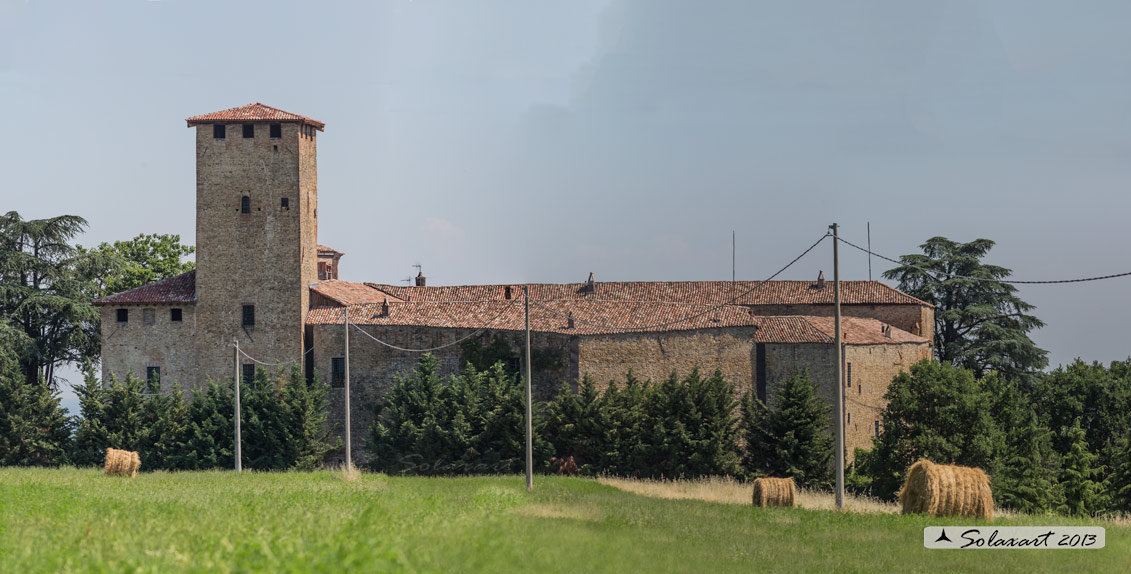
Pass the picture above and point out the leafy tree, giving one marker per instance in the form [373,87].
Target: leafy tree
[1098,398]
[1083,492]
[791,439]
[34,429]
[936,411]
[144,260]
[980,324]
[45,293]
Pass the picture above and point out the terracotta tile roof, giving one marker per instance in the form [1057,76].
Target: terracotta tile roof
[256,112]
[347,293]
[178,289]
[860,331]
[692,292]
[324,251]
[602,318]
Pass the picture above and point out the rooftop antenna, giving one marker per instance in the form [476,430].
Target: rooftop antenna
[869,251]
[732,252]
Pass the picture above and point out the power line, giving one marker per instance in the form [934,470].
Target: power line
[700,314]
[456,342]
[987,280]
[266,364]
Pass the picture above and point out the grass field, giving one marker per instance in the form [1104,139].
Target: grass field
[76,520]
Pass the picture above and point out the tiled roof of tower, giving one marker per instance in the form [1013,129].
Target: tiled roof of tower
[178,289]
[256,112]
[690,292]
[347,293]
[606,318]
[324,251]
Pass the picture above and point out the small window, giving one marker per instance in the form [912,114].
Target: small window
[153,379]
[175,315]
[148,316]
[219,131]
[123,315]
[247,374]
[848,375]
[248,131]
[285,203]
[876,428]
[245,204]
[338,372]
[276,130]
[248,315]
[849,417]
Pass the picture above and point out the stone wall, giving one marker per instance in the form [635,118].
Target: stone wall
[653,356]
[266,258]
[128,348]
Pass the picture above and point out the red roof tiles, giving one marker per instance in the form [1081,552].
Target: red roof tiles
[347,293]
[178,289]
[256,112]
[692,292]
[324,251]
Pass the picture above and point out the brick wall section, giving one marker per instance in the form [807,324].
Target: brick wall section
[374,368]
[128,348]
[266,258]
[906,317]
[654,356]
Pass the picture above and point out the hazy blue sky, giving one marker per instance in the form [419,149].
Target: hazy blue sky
[506,141]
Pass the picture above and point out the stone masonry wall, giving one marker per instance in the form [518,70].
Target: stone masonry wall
[653,356]
[915,319]
[128,348]
[266,258]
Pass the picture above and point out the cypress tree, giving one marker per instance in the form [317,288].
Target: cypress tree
[112,416]
[34,429]
[1027,477]
[1083,493]
[211,438]
[1118,483]
[167,428]
[306,404]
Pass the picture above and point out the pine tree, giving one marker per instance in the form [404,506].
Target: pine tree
[112,416]
[34,429]
[167,429]
[791,439]
[263,425]
[1029,466]
[1083,493]
[211,437]
[307,408]
[1118,483]
[574,423]
[413,430]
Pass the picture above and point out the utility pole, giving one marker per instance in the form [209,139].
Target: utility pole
[236,379]
[839,371]
[349,455]
[529,407]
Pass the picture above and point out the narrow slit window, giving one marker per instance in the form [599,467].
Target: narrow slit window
[219,131]
[276,130]
[876,428]
[338,372]
[248,131]
[245,204]
[123,315]
[848,375]
[175,315]
[248,316]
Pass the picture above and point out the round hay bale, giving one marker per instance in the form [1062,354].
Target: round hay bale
[774,492]
[122,462]
[947,490]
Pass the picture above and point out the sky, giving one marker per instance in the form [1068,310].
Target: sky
[495,141]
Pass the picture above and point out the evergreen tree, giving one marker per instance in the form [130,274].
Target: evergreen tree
[793,438]
[1083,492]
[1096,396]
[34,429]
[1027,479]
[1118,483]
[576,425]
[690,428]
[625,418]
[936,411]
[307,406]
[211,437]
[112,416]
[263,426]
[167,426]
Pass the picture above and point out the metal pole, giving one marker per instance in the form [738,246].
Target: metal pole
[869,250]
[529,407]
[236,378]
[349,454]
[839,372]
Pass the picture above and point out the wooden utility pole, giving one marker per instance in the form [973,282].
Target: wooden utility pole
[529,406]
[236,379]
[349,454]
[839,391]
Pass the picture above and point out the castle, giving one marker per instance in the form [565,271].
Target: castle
[262,279]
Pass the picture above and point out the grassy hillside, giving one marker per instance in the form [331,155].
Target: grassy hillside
[78,520]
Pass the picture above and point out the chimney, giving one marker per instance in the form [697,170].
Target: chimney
[507,292]
[821,279]
[571,319]
[385,307]
[590,284]
[420,279]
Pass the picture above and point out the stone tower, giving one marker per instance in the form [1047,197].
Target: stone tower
[256,235]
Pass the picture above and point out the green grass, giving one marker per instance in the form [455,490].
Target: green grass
[80,521]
